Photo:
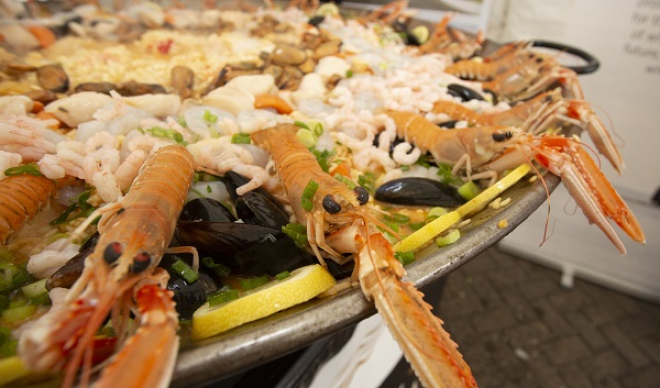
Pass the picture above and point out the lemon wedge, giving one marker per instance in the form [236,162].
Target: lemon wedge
[482,199]
[302,285]
[11,368]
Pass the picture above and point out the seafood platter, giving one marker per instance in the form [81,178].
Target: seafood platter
[186,193]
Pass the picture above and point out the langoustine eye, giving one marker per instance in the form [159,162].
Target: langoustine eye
[500,137]
[330,205]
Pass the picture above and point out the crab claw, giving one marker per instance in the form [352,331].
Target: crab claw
[589,187]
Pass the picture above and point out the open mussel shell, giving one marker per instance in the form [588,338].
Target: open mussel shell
[248,250]
[464,93]
[206,209]
[418,192]
[188,296]
[256,208]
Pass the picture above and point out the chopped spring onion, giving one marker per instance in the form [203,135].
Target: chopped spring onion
[297,232]
[35,289]
[5,254]
[8,348]
[449,238]
[185,271]
[310,189]
[79,208]
[167,134]
[368,181]
[57,236]
[210,117]
[254,282]
[322,158]
[12,277]
[435,213]
[349,73]
[225,295]
[282,275]
[20,313]
[306,204]
[444,172]
[300,124]
[308,193]
[5,334]
[306,137]
[219,268]
[30,169]
[345,180]
[240,138]
[416,225]
[401,218]
[318,129]
[469,190]
[4,303]
[405,257]
[205,177]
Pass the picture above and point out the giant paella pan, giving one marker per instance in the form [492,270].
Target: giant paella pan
[189,192]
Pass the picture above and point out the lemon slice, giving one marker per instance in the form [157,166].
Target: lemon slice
[482,199]
[302,285]
[421,33]
[328,9]
[11,368]
[426,233]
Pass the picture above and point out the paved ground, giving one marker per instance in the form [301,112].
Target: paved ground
[518,327]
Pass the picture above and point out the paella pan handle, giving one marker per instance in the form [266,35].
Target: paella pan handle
[592,64]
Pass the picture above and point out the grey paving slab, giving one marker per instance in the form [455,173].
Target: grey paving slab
[518,327]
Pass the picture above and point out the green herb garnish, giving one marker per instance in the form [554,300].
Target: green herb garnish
[240,138]
[30,169]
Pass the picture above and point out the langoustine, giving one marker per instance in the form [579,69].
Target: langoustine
[337,222]
[134,235]
[493,149]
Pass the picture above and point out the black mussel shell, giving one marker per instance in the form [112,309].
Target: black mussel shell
[393,144]
[248,250]
[234,180]
[404,28]
[463,92]
[448,124]
[340,271]
[316,20]
[188,296]
[71,271]
[418,191]
[255,208]
[206,209]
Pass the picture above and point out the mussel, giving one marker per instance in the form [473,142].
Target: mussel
[206,209]
[189,296]
[53,78]
[248,250]
[234,180]
[256,208]
[464,93]
[71,271]
[418,192]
